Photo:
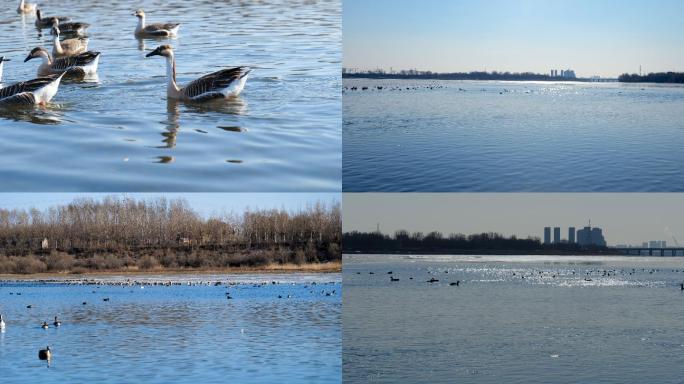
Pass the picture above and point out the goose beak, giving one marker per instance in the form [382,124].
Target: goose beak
[29,57]
[153,53]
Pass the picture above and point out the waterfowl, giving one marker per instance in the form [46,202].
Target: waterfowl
[33,92]
[57,323]
[82,64]
[45,325]
[46,22]
[393,278]
[25,7]
[45,354]
[151,30]
[433,280]
[2,323]
[222,84]
[67,47]
[72,28]
[2,63]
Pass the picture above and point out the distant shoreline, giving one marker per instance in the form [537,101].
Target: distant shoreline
[323,268]
[469,77]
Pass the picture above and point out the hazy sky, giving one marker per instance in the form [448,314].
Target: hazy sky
[593,37]
[625,218]
[204,203]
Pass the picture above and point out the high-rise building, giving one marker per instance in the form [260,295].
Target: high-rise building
[591,236]
[571,235]
[556,235]
[547,235]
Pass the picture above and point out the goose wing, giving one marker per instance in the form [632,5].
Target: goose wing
[73,26]
[150,28]
[24,87]
[80,60]
[24,98]
[214,83]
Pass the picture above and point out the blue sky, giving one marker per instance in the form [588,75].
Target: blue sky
[204,203]
[593,37]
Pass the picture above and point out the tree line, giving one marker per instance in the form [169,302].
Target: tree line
[403,242]
[168,233]
[660,77]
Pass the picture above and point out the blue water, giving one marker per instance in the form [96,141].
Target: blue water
[571,323]
[508,136]
[118,132]
[175,334]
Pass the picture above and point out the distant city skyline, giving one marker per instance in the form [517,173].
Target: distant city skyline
[629,219]
[600,37]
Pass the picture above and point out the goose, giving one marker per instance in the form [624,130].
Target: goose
[2,63]
[57,323]
[68,47]
[45,325]
[2,323]
[45,354]
[25,7]
[46,22]
[77,28]
[152,30]
[32,92]
[222,84]
[82,64]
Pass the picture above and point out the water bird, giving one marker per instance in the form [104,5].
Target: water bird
[221,84]
[151,30]
[105,299]
[2,323]
[433,280]
[25,7]
[2,64]
[45,325]
[47,22]
[28,306]
[457,283]
[67,47]
[77,28]
[45,354]
[82,64]
[32,92]
[681,286]
[57,323]
[393,278]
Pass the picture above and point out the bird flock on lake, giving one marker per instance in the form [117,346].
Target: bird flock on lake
[71,58]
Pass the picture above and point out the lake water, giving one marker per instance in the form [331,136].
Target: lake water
[569,324]
[509,136]
[175,334]
[119,133]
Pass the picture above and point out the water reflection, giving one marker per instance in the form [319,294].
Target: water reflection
[154,40]
[44,115]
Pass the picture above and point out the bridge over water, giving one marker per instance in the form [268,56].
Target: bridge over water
[651,251]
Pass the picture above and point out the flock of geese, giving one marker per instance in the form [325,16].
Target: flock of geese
[70,56]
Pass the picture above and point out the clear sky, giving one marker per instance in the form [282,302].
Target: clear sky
[593,37]
[204,203]
[625,218]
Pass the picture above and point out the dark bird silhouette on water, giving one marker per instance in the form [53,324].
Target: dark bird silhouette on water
[433,280]
[393,279]
[457,283]
[45,354]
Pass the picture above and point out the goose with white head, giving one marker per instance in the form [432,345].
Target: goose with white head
[221,84]
[26,8]
[154,30]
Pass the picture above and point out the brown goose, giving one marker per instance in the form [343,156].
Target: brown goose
[33,92]
[82,64]
[151,30]
[221,84]
[77,28]
[67,47]
[25,7]
[46,22]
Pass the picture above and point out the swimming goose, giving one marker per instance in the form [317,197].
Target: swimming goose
[82,64]
[57,323]
[68,47]
[45,325]
[158,29]
[77,28]
[25,7]
[221,84]
[33,92]
[45,354]
[46,22]
[2,323]
[2,63]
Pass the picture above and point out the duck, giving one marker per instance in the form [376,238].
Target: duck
[45,354]
[25,7]
[46,22]
[77,28]
[38,91]
[57,323]
[67,47]
[82,64]
[45,325]
[2,64]
[221,84]
[154,30]
[2,323]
